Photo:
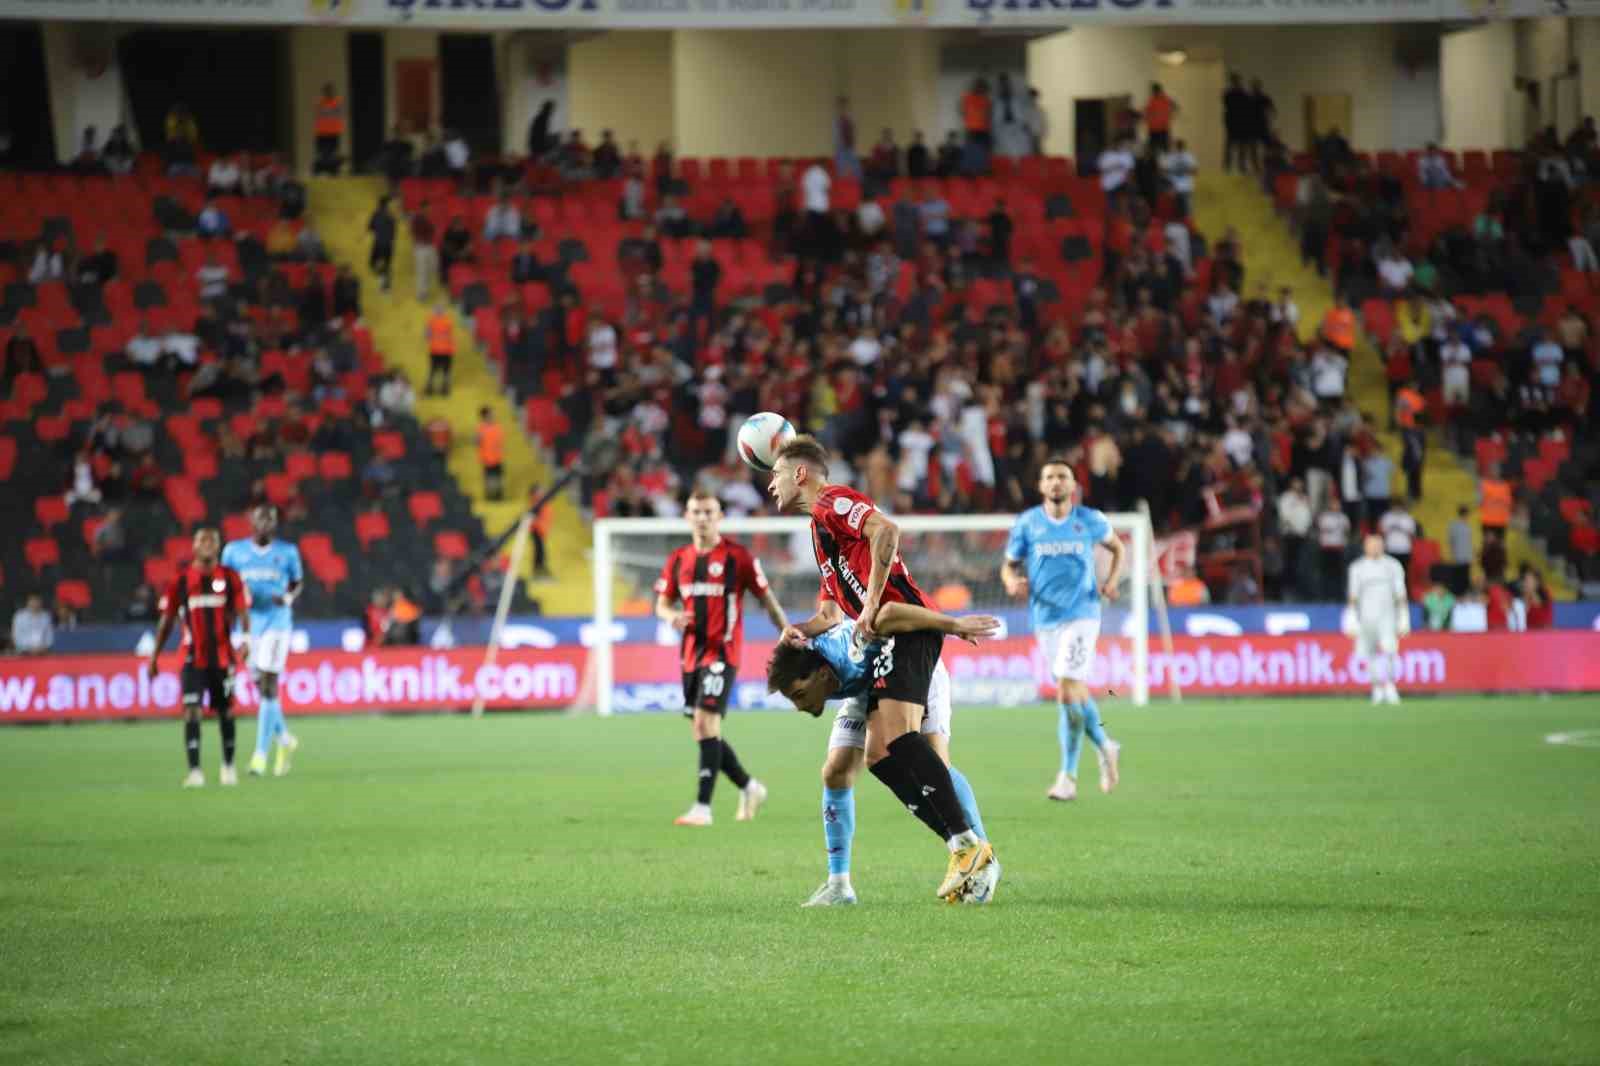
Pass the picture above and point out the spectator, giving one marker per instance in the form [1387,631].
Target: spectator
[84,489]
[212,279]
[31,631]
[1455,359]
[1011,113]
[141,605]
[1333,538]
[213,221]
[1237,126]
[146,352]
[1437,606]
[49,263]
[1116,167]
[309,247]
[424,252]
[22,355]
[1537,610]
[1285,312]
[1038,121]
[1399,531]
[118,154]
[66,619]
[396,396]
[377,618]
[1459,537]
[225,178]
[1377,483]
[440,336]
[1294,526]
[1159,111]
[1259,118]
[525,265]
[540,141]
[1493,557]
[1339,327]
[1394,272]
[948,163]
[601,342]
[539,533]
[1547,358]
[381,227]
[456,154]
[1243,587]
[1187,590]
[846,164]
[977,119]
[328,128]
[503,220]
[607,157]
[1328,371]
[933,214]
[346,294]
[182,142]
[1433,170]
[491,454]
[919,163]
[884,163]
[1001,228]
[1178,166]
[705,275]
[98,267]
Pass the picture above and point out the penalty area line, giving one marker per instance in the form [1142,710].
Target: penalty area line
[1575,738]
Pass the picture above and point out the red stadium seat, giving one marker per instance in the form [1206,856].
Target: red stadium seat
[281,489]
[8,457]
[450,545]
[50,511]
[74,594]
[302,466]
[425,506]
[42,552]
[237,527]
[334,466]
[183,497]
[331,570]
[371,527]
[91,525]
[389,445]
[52,428]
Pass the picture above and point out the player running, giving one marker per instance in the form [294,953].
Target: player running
[833,666]
[1050,559]
[1380,614]
[209,597]
[857,551]
[698,594]
[271,571]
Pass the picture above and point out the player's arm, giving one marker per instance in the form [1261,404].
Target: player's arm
[1402,603]
[828,615]
[908,618]
[241,611]
[670,613]
[296,578]
[669,604]
[1119,558]
[774,609]
[169,615]
[1013,578]
[884,538]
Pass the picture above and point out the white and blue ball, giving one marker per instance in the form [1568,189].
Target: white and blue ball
[760,439]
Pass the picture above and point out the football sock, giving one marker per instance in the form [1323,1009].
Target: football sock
[226,724]
[934,777]
[731,767]
[266,727]
[1070,730]
[191,743]
[1379,666]
[279,726]
[838,828]
[969,802]
[710,766]
[897,779]
[1091,723]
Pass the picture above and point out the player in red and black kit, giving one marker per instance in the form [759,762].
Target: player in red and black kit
[858,552]
[210,598]
[699,593]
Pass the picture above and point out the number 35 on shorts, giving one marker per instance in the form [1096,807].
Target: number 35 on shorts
[1070,648]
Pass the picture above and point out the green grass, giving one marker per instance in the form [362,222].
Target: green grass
[1276,882]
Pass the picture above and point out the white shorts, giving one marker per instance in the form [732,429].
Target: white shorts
[269,650]
[1374,637]
[850,724]
[1069,648]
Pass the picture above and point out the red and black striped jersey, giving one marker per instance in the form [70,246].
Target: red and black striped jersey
[844,555]
[710,585]
[209,601]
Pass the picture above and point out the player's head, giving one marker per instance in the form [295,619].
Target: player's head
[264,521]
[207,543]
[1057,482]
[799,474]
[704,512]
[801,676]
[1372,546]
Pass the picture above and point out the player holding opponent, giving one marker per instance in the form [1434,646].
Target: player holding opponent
[1380,614]
[850,536]
[271,571]
[209,597]
[833,666]
[1050,559]
[698,593]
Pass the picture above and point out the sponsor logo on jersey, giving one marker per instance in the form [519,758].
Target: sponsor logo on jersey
[1049,548]
[703,588]
[858,514]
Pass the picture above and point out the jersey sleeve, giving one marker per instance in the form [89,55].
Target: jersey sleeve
[1100,526]
[238,595]
[752,578]
[842,512]
[667,583]
[1017,542]
[172,599]
[230,552]
[297,573]
[1352,581]
[1397,578]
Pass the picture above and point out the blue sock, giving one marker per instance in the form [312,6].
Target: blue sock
[1070,730]
[969,802]
[1091,722]
[264,726]
[838,827]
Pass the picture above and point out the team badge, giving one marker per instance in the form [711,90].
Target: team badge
[715,569]
[219,585]
[841,506]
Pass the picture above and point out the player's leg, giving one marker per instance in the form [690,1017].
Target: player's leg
[936,727]
[266,720]
[193,696]
[703,697]
[1389,652]
[1069,732]
[1368,651]
[274,656]
[220,687]
[846,756]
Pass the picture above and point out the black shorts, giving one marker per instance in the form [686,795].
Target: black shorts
[903,668]
[198,683]
[708,689]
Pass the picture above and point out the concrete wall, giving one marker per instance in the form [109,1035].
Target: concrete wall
[533,70]
[1543,50]
[78,100]
[1478,67]
[623,82]
[755,93]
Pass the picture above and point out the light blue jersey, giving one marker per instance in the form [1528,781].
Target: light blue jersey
[1058,557]
[267,573]
[840,650]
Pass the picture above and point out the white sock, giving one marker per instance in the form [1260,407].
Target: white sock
[700,808]
[839,880]
[964,840]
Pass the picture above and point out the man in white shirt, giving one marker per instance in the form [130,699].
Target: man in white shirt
[1379,615]
[212,279]
[865,349]
[1294,525]
[602,340]
[1399,531]
[1285,312]
[1547,359]
[1433,170]
[1179,166]
[1116,166]
[456,153]
[815,184]
[1333,536]
[1395,271]
[144,350]
[224,177]
[1328,370]
[183,347]
[1456,377]
[503,220]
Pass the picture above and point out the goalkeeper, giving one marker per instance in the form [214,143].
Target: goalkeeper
[835,665]
[1379,615]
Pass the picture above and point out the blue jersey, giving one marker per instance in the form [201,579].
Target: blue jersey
[840,650]
[267,574]
[1059,560]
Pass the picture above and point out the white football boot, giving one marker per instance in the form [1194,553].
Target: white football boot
[698,815]
[196,779]
[751,797]
[832,895]
[1064,789]
[228,775]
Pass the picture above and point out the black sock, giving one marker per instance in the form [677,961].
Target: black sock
[731,767]
[934,777]
[191,742]
[710,766]
[226,724]
[894,775]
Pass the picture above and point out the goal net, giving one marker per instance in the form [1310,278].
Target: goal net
[955,559]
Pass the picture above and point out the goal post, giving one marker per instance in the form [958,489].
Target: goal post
[955,559]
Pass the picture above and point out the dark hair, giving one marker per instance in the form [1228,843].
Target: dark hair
[701,492]
[1055,460]
[789,664]
[806,449]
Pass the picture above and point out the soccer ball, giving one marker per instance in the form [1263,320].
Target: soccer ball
[760,438]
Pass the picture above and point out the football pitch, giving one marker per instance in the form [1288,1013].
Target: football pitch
[1275,882]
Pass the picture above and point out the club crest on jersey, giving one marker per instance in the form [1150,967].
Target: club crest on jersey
[841,506]
[716,668]
[715,569]
[219,585]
